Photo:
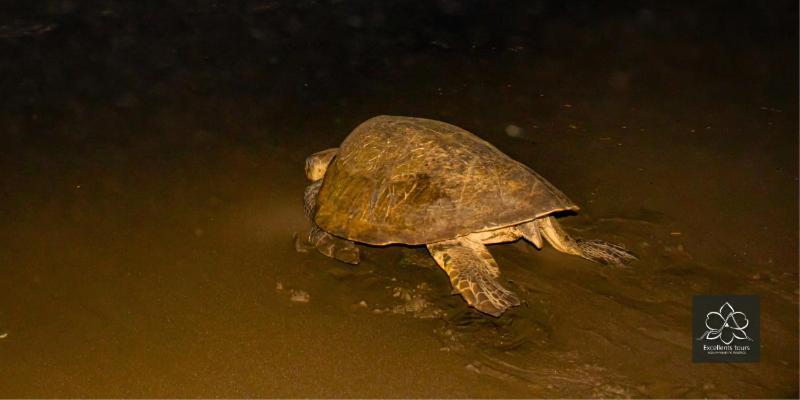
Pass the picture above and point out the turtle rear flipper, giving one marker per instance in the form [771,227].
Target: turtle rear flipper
[593,250]
[473,272]
[605,253]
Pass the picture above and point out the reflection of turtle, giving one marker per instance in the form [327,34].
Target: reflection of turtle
[422,182]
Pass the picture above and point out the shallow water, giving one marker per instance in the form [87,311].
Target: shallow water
[150,200]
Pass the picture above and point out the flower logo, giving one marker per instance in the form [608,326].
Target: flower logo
[726,325]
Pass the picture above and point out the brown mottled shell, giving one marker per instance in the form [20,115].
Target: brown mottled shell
[417,181]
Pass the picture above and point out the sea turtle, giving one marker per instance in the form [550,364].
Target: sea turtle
[415,181]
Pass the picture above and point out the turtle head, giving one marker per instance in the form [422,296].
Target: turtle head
[317,164]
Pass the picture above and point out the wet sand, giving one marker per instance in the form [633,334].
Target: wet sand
[147,235]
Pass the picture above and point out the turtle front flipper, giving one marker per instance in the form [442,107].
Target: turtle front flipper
[473,272]
[332,246]
[327,244]
[592,250]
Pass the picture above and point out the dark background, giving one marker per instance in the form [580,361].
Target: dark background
[320,54]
